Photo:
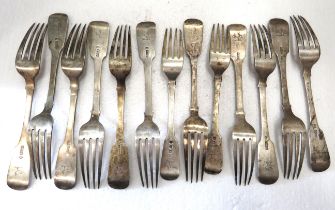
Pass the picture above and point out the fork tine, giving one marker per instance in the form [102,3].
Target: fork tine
[297,152]
[222,39]
[30,42]
[88,157]
[138,153]
[43,146]
[253,153]
[164,53]
[254,42]
[186,143]
[303,137]
[192,154]
[24,41]
[145,153]
[197,152]
[311,32]
[175,44]
[204,140]
[112,51]
[40,44]
[82,161]
[74,42]
[301,32]
[129,43]
[169,50]
[94,156]
[49,138]
[235,160]
[240,152]
[100,152]
[38,39]
[181,45]
[212,45]
[260,42]
[33,148]
[264,41]
[290,154]
[285,139]
[118,41]
[124,44]
[80,43]
[217,41]
[269,41]
[151,148]
[38,154]
[68,41]
[297,33]
[157,147]
[246,160]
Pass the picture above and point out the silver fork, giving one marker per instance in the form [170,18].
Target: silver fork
[40,126]
[265,63]
[244,136]
[195,129]
[293,128]
[92,133]
[309,53]
[172,64]
[219,60]
[27,63]
[147,141]
[73,63]
[120,62]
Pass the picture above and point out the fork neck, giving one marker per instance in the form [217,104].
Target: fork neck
[284,91]
[238,86]
[121,89]
[308,90]
[148,87]
[52,81]
[30,87]
[264,117]
[194,97]
[172,90]
[97,85]
[217,87]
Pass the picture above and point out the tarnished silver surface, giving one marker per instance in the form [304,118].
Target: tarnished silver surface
[120,66]
[195,130]
[264,63]
[147,140]
[294,135]
[27,63]
[309,53]
[219,60]
[73,64]
[40,126]
[243,136]
[92,133]
[172,64]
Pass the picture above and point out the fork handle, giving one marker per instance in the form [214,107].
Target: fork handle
[97,85]
[72,113]
[308,88]
[172,90]
[121,89]
[238,86]
[194,97]
[264,117]
[217,87]
[30,87]
[148,88]
[284,91]
[52,82]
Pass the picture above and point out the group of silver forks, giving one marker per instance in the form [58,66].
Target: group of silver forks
[203,149]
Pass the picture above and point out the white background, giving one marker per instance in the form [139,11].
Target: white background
[311,191]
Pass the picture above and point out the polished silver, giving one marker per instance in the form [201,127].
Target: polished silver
[40,126]
[172,64]
[294,135]
[244,136]
[264,63]
[120,61]
[73,63]
[27,63]
[92,133]
[195,131]
[309,53]
[219,60]
[147,141]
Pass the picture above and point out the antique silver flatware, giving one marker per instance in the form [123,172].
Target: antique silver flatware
[219,60]
[147,141]
[195,131]
[243,136]
[40,126]
[264,63]
[294,135]
[27,63]
[73,63]
[92,133]
[120,66]
[308,54]
[172,64]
